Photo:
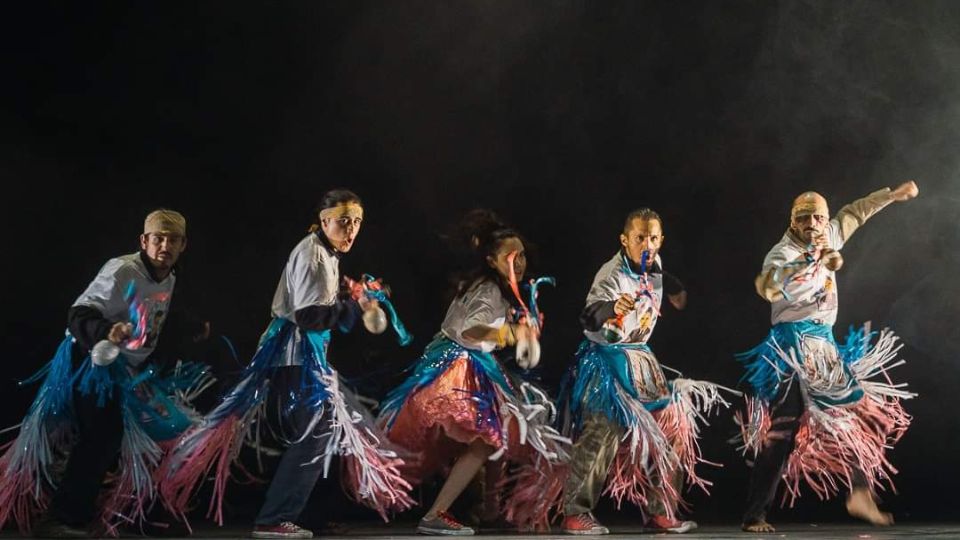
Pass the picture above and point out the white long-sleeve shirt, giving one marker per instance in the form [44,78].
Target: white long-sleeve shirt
[815,296]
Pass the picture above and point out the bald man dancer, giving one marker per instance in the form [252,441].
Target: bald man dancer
[809,418]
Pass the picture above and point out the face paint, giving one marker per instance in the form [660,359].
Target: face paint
[809,216]
[341,224]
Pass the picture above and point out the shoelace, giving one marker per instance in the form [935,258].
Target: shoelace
[586,520]
[289,526]
[449,520]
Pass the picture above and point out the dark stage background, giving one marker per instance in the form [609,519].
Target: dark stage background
[560,116]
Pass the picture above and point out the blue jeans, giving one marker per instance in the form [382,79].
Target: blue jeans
[293,481]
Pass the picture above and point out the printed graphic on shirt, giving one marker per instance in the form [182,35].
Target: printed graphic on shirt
[827,296]
[645,321]
[156,305]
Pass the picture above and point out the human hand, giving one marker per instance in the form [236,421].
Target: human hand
[624,304]
[819,242]
[832,259]
[119,332]
[204,333]
[678,300]
[905,191]
[367,303]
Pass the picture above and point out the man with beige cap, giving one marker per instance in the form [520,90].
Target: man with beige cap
[83,395]
[814,416]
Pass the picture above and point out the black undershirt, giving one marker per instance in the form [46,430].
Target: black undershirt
[342,313]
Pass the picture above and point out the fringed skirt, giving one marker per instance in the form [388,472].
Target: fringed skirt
[370,468]
[155,410]
[660,421]
[455,396]
[853,409]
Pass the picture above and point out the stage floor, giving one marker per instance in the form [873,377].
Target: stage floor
[794,530]
[719,532]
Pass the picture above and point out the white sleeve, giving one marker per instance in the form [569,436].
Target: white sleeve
[776,258]
[484,307]
[852,216]
[105,292]
[606,287]
[310,281]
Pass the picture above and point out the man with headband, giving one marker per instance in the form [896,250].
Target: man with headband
[317,417]
[811,417]
[80,386]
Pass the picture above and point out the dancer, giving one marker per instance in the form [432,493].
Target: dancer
[459,404]
[101,398]
[814,414]
[635,432]
[320,417]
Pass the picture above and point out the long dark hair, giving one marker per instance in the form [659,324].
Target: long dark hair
[476,237]
[329,200]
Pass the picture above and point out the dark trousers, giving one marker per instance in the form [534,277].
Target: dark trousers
[785,416]
[293,481]
[98,437]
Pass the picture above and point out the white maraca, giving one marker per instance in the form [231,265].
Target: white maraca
[375,320]
[104,353]
[528,353]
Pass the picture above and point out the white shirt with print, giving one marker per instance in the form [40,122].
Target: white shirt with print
[813,295]
[613,281]
[106,294]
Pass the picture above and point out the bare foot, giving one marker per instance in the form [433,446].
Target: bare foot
[758,527]
[860,504]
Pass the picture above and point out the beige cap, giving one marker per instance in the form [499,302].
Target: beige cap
[165,221]
[809,203]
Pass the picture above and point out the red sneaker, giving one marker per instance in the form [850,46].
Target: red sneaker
[583,523]
[286,529]
[443,525]
[664,524]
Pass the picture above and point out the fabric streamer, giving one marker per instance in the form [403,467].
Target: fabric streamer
[853,410]
[660,435]
[212,447]
[155,409]
[464,394]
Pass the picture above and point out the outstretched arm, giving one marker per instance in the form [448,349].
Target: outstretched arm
[855,214]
